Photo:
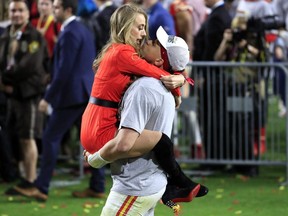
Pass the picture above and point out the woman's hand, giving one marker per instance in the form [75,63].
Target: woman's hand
[173,81]
[85,155]
[228,35]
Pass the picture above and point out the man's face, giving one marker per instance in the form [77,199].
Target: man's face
[58,11]
[18,13]
[151,51]
[210,3]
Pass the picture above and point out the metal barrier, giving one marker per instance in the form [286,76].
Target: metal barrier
[236,107]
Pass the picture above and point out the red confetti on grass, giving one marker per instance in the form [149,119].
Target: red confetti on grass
[63,206]
[242,177]
[236,202]
[230,209]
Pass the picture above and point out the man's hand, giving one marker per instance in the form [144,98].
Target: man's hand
[6,88]
[173,81]
[95,160]
[43,106]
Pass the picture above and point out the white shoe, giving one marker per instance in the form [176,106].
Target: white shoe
[282,112]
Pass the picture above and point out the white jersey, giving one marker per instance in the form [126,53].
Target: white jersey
[147,104]
[256,9]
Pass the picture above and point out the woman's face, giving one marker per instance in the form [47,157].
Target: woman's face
[45,7]
[138,31]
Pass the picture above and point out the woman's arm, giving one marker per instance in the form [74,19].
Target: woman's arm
[130,63]
[220,54]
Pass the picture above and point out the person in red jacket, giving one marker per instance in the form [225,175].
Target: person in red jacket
[46,24]
[119,60]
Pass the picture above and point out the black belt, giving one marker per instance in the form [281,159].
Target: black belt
[104,103]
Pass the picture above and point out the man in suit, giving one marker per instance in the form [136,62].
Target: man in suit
[206,43]
[68,93]
[211,32]
[101,21]
[105,9]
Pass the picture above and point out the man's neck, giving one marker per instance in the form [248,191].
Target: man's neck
[67,21]
[217,4]
[16,28]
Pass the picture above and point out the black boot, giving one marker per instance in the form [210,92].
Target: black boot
[164,154]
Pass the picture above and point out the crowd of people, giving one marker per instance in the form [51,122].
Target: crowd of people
[244,37]
[67,63]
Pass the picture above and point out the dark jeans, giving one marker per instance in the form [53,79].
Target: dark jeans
[97,180]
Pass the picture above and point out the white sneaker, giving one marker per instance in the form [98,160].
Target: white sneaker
[282,112]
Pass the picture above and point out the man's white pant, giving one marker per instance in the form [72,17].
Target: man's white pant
[120,205]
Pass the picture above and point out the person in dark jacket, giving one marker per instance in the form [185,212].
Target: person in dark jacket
[68,93]
[206,43]
[23,54]
[100,21]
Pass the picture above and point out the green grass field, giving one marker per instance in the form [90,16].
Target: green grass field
[229,195]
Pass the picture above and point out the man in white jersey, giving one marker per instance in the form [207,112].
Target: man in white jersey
[139,183]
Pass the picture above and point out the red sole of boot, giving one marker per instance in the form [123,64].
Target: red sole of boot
[190,196]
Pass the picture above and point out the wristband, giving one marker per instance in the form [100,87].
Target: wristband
[95,160]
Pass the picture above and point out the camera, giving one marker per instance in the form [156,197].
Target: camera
[265,23]
[257,26]
[239,34]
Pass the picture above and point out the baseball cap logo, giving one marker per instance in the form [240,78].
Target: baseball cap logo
[171,39]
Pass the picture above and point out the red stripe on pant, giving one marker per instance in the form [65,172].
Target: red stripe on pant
[126,205]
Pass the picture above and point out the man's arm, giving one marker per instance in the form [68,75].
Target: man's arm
[120,145]
[127,144]
[116,148]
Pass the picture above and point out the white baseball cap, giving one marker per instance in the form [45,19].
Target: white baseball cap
[176,48]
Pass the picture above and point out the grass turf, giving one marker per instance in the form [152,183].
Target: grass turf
[230,194]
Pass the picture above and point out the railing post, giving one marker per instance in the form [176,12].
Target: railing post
[286,124]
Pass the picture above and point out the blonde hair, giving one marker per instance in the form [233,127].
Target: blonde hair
[121,23]
[239,22]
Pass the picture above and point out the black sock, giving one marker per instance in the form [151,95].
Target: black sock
[164,154]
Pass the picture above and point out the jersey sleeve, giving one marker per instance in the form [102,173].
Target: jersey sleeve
[130,63]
